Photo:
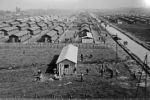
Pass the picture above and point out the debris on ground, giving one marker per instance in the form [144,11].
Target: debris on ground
[65,84]
[123,78]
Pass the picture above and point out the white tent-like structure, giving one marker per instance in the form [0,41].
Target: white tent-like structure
[67,61]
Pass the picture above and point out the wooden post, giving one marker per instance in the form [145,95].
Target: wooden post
[145,61]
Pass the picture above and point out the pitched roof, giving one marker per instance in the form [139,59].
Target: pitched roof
[4,25]
[22,25]
[21,33]
[34,28]
[52,32]
[9,28]
[69,52]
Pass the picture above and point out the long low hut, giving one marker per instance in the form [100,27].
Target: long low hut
[22,27]
[34,30]
[4,25]
[31,24]
[67,61]
[19,37]
[15,23]
[10,30]
[42,26]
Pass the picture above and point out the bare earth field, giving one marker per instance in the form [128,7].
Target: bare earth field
[20,84]
[17,74]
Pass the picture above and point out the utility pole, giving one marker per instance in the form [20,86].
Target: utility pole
[145,61]
[116,52]
[116,38]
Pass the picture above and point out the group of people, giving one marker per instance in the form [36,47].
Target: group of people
[39,76]
[105,69]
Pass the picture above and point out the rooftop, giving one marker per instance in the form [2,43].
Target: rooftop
[69,52]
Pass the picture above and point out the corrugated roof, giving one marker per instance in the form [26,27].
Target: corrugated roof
[34,28]
[69,52]
[9,28]
[42,24]
[52,32]
[22,25]
[21,33]
[14,23]
[4,25]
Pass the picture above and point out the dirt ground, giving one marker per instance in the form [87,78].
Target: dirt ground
[19,83]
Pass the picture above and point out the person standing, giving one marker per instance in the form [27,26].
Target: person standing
[81,57]
[87,70]
[82,77]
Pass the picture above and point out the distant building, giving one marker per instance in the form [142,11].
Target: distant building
[34,30]
[42,26]
[53,34]
[22,27]
[119,22]
[88,38]
[4,25]
[49,24]
[19,37]
[46,38]
[15,23]
[10,30]
[67,61]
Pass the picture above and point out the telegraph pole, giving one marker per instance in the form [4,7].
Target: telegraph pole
[145,61]
[116,52]
[116,39]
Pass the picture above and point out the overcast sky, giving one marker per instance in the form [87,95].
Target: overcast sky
[68,4]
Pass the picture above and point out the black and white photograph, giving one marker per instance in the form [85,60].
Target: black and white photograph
[74,49]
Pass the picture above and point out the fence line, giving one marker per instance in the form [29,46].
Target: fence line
[53,45]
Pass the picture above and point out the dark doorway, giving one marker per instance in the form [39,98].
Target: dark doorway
[46,39]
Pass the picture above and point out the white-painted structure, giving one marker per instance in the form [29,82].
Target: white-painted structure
[88,38]
[67,61]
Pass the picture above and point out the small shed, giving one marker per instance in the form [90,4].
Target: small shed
[88,38]
[67,61]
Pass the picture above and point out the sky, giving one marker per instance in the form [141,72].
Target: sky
[69,4]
